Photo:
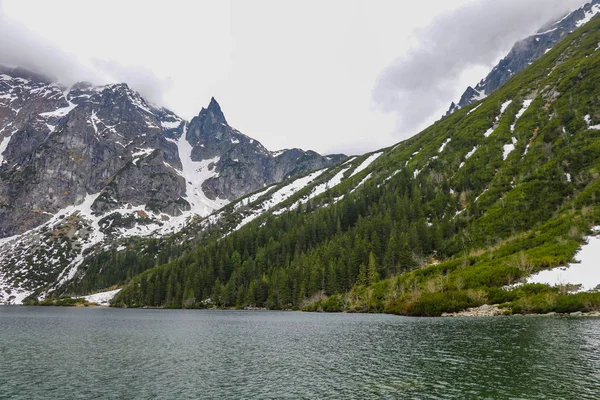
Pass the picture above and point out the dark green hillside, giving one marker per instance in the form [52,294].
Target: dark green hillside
[429,231]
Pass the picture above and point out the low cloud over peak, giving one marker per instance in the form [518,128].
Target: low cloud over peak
[19,47]
[421,82]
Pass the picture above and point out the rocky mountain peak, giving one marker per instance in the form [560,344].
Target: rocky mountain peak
[526,51]
[214,112]
[23,73]
[212,115]
[208,125]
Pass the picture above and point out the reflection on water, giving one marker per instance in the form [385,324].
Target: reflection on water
[65,353]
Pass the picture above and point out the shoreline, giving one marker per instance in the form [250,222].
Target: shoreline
[494,310]
[485,310]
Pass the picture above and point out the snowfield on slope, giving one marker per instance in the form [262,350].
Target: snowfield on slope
[12,248]
[365,164]
[3,145]
[195,174]
[508,148]
[586,272]
[102,298]
[526,105]
[279,196]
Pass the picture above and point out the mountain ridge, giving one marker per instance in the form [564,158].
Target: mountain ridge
[526,51]
[449,219]
[123,165]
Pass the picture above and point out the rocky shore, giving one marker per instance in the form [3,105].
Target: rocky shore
[485,310]
[494,310]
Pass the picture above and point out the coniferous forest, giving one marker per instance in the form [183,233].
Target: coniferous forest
[443,221]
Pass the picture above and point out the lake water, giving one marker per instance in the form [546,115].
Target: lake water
[101,353]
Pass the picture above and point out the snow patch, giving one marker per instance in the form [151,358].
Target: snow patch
[481,194]
[391,176]
[252,198]
[443,146]
[16,296]
[504,106]
[195,174]
[102,298]
[278,153]
[365,164]
[366,178]
[470,153]
[470,111]
[349,160]
[588,121]
[279,196]
[84,209]
[138,155]
[526,105]
[586,272]
[323,187]
[137,101]
[60,112]
[94,120]
[4,145]
[588,15]
[170,124]
[508,148]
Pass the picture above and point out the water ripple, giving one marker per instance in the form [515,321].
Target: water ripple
[66,353]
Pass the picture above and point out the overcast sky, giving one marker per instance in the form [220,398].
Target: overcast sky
[333,76]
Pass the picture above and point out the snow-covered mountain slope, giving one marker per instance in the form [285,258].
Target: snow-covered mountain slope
[526,52]
[327,186]
[85,166]
[296,192]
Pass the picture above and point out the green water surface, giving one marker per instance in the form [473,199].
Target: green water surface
[101,353]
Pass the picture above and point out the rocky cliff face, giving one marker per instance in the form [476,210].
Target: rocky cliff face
[242,164]
[83,166]
[526,52]
[63,145]
[60,145]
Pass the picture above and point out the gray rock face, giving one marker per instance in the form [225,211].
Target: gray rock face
[63,145]
[244,164]
[164,192]
[526,52]
[59,145]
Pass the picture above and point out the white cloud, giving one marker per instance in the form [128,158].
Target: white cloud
[290,74]
[420,83]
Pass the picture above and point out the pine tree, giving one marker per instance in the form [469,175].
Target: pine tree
[390,260]
[362,275]
[372,273]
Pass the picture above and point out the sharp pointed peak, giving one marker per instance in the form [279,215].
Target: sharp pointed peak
[213,109]
[213,103]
